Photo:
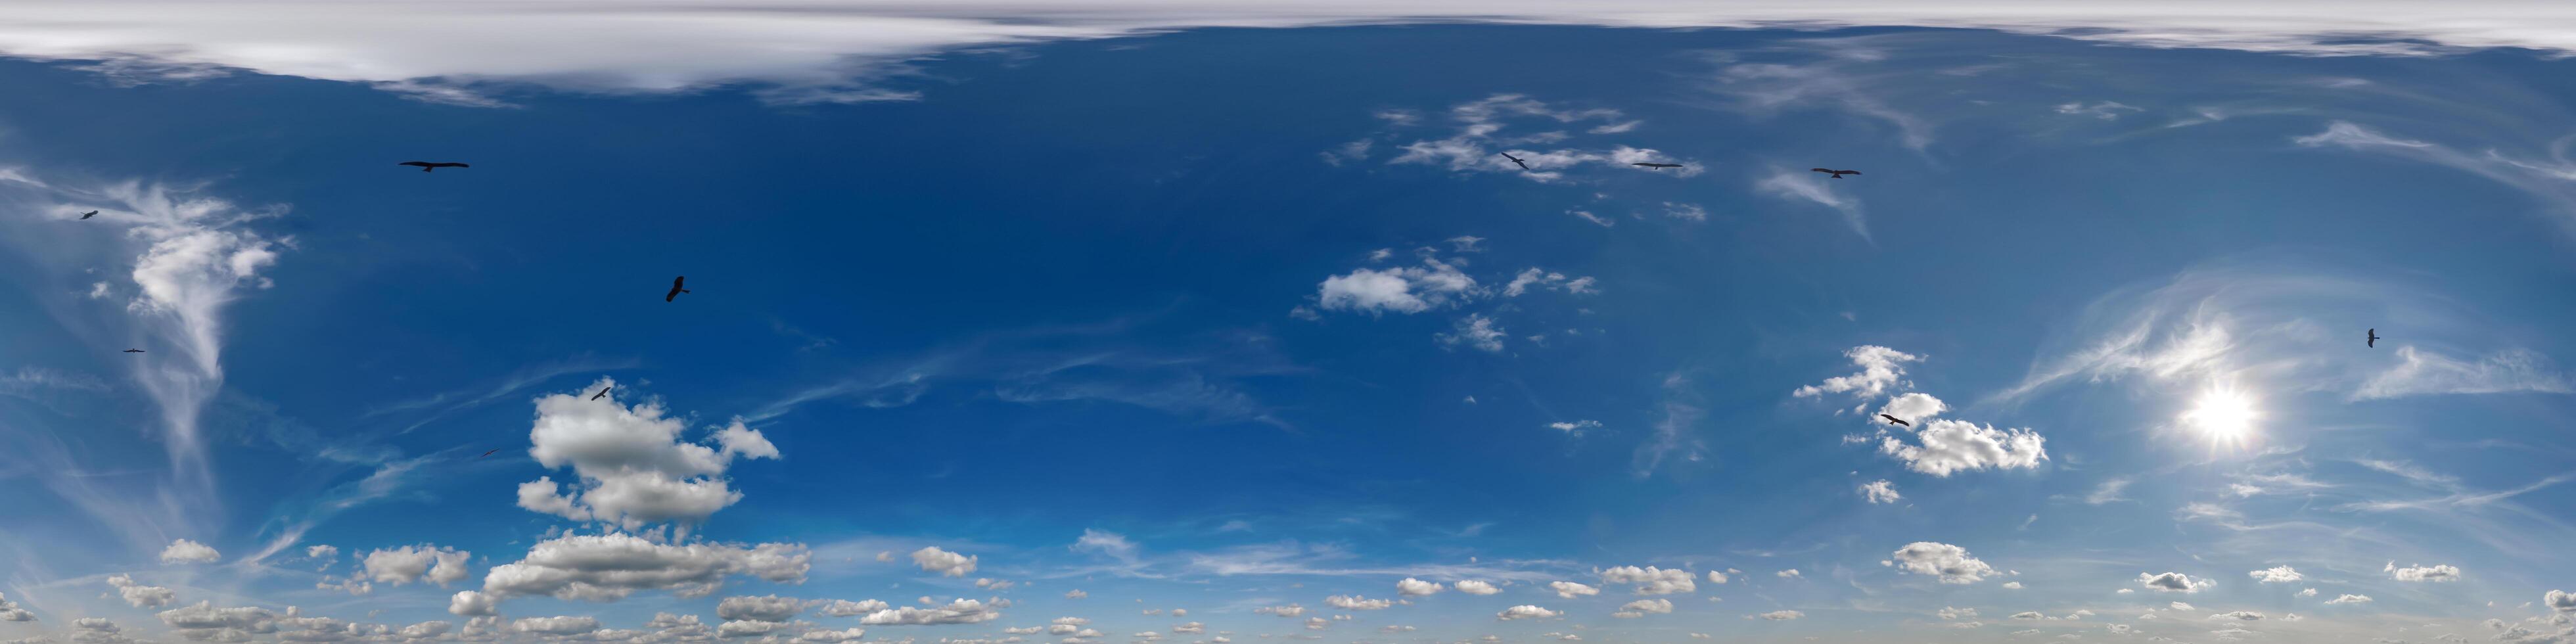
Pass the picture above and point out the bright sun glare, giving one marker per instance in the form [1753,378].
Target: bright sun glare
[2223,414]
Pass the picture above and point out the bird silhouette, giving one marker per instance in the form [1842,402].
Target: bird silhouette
[89,214]
[1837,173]
[2374,339]
[603,391]
[675,288]
[426,166]
[133,350]
[1896,420]
[487,453]
[1515,160]
[1659,165]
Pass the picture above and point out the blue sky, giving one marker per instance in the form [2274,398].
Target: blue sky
[1251,333]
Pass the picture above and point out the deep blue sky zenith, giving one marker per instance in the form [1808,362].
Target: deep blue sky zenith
[1234,320]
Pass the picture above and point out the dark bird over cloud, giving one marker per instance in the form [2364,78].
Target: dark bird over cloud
[1515,160]
[603,391]
[89,214]
[426,166]
[1658,165]
[1837,173]
[1896,420]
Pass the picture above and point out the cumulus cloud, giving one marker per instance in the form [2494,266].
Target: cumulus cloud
[1642,607]
[1879,491]
[1355,602]
[1570,590]
[1525,611]
[1951,613]
[1548,280]
[2276,575]
[961,611]
[1650,580]
[2421,573]
[139,595]
[950,564]
[2350,599]
[1950,564]
[555,625]
[1400,289]
[765,608]
[1474,587]
[1778,615]
[1791,573]
[1914,407]
[205,623]
[633,466]
[1410,587]
[469,603]
[1291,610]
[1479,142]
[10,612]
[846,608]
[1716,576]
[851,634]
[1948,446]
[401,565]
[2173,582]
[185,551]
[611,566]
[1880,367]
[1475,331]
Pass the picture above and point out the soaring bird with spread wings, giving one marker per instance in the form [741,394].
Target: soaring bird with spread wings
[1658,165]
[133,350]
[675,288]
[89,214]
[1896,420]
[603,391]
[1515,160]
[426,166]
[1837,173]
[2373,342]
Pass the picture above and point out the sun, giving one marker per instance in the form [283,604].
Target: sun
[2224,415]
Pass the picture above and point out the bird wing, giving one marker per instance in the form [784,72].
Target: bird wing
[1823,170]
[417,163]
[1848,172]
[456,165]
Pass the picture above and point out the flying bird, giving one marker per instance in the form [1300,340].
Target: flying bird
[1837,173]
[426,166]
[89,214]
[1515,160]
[2374,339]
[133,350]
[1896,420]
[603,391]
[1659,165]
[487,453]
[675,288]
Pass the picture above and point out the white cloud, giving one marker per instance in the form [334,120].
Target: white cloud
[1475,330]
[1548,280]
[1950,446]
[401,565]
[949,564]
[555,625]
[1410,587]
[1950,613]
[1478,143]
[2311,592]
[1355,602]
[850,634]
[846,608]
[2350,599]
[1879,368]
[2276,575]
[1076,594]
[469,603]
[765,608]
[1685,211]
[2014,585]
[2109,491]
[1525,611]
[1570,590]
[961,611]
[185,551]
[1716,577]
[2105,110]
[2174,582]
[1951,564]
[1650,580]
[633,466]
[1913,407]
[1879,491]
[2422,573]
[1401,289]
[1642,607]
[204,622]
[1291,610]
[1474,587]
[2559,600]
[1801,185]
[2239,615]
[1778,615]
[2419,373]
[139,595]
[322,553]
[1575,427]
[611,566]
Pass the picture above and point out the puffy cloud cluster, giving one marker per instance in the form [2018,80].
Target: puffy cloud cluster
[1400,289]
[1778,615]
[555,625]
[139,595]
[10,612]
[2350,599]
[400,566]
[611,566]
[1951,564]
[950,564]
[1879,491]
[1950,446]
[632,464]
[1474,587]
[203,622]
[2174,582]
[1879,368]
[765,608]
[1650,580]
[2276,575]
[185,551]
[1410,587]
[1473,330]
[961,611]
[1537,278]
[1525,611]
[2421,573]
[1355,602]
[846,608]
[1640,608]
[1291,610]
[1570,590]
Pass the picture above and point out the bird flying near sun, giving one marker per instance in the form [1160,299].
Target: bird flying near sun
[427,166]
[1837,173]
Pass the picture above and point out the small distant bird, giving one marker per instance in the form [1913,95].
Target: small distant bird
[1837,173]
[2374,339]
[675,288]
[487,453]
[133,350]
[426,166]
[89,214]
[1896,420]
[603,391]
[1659,165]
[1515,160]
